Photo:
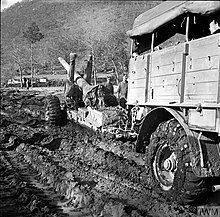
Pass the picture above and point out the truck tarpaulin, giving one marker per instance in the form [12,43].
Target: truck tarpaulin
[152,19]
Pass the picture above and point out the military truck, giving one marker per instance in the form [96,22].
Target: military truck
[173,105]
[174,78]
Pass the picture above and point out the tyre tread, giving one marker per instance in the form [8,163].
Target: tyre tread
[187,187]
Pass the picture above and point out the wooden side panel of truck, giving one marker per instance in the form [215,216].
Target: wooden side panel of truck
[185,75]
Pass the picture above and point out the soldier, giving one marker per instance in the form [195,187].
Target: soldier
[214,27]
[107,90]
[109,86]
[123,91]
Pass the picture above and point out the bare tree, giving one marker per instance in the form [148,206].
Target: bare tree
[33,35]
[19,55]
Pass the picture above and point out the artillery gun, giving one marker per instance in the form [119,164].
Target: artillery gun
[173,98]
[89,105]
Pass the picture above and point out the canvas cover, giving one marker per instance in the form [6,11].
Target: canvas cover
[150,20]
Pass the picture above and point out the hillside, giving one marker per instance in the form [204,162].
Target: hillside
[84,27]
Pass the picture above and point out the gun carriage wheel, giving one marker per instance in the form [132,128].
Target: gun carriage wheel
[53,113]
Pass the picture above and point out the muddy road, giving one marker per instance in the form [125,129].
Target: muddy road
[70,170]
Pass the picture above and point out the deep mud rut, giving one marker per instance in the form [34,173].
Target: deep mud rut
[70,170]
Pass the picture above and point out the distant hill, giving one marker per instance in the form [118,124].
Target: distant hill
[84,27]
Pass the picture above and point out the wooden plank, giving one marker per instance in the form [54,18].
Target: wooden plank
[137,79]
[164,85]
[165,99]
[204,51]
[137,67]
[137,74]
[203,63]
[169,69]
[206,91]
[167,55]
[208,40]
[136,83]
[193,77]
[166,80]
[195,98]
[202,88]
[165,92]
[204,47]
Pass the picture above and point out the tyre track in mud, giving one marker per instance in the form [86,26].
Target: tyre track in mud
[92,174]
[101,170]
[21,193]
[124,174]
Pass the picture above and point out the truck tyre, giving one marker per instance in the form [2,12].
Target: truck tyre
[171,173]
[53,113]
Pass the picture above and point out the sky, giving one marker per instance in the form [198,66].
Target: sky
[7,3]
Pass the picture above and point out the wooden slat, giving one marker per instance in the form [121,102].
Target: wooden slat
[195,98]
[137,67]
[203,51]
[204,47]
[136,83]
[138,74]
[165,92]
[167,55]
[168,90]
[165,99]
[204,63]
[168,69]
[202,76]
[205,91]
[208,40]
[202,88]
[165,80]
[137,79]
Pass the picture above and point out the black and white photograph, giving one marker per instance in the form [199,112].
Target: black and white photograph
[110,108]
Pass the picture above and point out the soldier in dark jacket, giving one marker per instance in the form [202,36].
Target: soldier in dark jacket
[123,91]
[109,86]
[109,98]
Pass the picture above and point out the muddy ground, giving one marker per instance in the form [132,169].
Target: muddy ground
[70,170]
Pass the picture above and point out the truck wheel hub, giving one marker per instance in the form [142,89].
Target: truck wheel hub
[169,164]
[165,165]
